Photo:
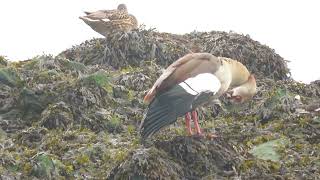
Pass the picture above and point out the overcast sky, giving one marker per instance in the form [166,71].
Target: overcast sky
[34,27]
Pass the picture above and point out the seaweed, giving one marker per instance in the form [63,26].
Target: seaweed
[77,115]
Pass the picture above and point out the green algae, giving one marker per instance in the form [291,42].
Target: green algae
[268,150]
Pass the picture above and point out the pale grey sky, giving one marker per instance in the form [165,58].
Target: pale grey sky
[291,27]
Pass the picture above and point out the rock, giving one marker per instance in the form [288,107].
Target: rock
[89,52]
[30,104]
[175,160]
[147,164]
[133,48]
[58,115]
[77,115]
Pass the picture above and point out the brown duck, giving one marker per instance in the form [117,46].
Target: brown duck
[189,82]
[111,21]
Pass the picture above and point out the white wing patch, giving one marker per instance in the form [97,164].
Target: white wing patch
[200,83]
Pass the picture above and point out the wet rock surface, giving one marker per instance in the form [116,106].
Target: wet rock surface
[76,115]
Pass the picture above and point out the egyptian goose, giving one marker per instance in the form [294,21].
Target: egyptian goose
[111,21]
[189,82]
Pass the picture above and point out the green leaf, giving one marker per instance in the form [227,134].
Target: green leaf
[267,151]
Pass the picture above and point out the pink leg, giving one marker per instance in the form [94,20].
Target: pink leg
[188,119]
[196,123]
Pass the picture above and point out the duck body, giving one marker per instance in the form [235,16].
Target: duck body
[111,21]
